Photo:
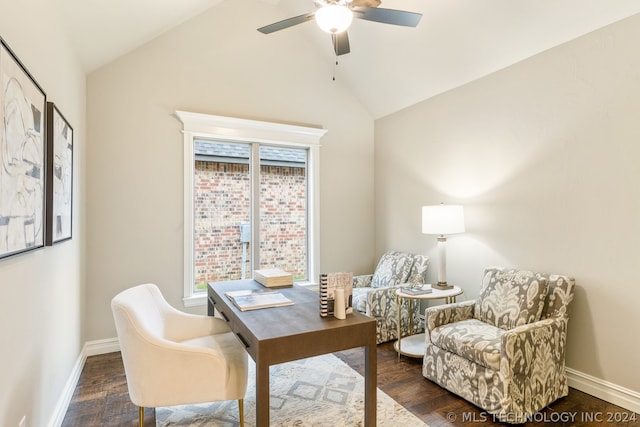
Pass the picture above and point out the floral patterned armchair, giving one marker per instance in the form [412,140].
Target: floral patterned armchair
[505,351]
[374,294]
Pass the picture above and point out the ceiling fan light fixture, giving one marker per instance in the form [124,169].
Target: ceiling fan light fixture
[334,18]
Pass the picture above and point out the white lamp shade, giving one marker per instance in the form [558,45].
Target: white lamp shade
[334,18]
[442,219]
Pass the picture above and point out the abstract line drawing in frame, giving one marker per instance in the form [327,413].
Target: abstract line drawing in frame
[22,157]
[59,176]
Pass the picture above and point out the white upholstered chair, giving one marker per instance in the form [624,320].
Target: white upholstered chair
[175,358]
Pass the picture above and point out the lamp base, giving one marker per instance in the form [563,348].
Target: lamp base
[443,286]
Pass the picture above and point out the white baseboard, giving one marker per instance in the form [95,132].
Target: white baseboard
[109,345]
[609,392]
[67,393]
[90,348]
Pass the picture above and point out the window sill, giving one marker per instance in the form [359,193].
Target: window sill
[196,300]
[307,284]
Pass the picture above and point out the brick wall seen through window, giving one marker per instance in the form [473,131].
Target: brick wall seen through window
[221,205]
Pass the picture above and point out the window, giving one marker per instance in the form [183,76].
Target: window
[251,200]
[222,210]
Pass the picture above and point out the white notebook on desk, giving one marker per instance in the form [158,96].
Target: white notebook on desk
[254,299]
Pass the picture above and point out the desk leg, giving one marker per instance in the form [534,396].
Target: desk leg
[262,394]
[370,384]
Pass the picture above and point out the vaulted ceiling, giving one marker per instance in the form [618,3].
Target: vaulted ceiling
[389,67]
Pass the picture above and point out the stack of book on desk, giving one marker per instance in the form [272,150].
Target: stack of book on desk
[273,278]
[253,299]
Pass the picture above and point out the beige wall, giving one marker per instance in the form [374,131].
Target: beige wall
[41,292]
[544,157]
[218,64]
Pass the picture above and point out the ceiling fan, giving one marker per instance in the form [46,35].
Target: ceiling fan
[335,16]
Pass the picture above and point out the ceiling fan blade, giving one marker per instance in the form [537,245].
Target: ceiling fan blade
[367,3]
[340,43]
[281,25]
[388,16]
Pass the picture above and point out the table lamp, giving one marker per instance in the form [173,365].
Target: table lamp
[442,219]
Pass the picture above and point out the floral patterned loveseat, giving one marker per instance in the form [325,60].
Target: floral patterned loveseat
[374,294]
[505,351]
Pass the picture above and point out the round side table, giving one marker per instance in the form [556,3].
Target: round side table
[413,345]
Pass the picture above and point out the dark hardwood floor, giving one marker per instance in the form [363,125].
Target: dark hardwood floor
[101,397]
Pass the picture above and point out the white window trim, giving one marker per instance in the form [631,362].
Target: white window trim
[243,130]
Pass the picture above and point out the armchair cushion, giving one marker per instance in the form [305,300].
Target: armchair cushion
[393,269]
[472,339]
[510,298]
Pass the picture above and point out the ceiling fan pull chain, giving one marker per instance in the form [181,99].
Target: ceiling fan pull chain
[335,55]
[335,63]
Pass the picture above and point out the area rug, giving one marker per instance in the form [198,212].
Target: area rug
[318,391]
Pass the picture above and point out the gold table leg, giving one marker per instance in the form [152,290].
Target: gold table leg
[398,302]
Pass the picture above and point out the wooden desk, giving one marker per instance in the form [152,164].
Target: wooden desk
[283,334]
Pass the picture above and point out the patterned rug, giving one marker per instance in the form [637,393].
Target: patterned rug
[318,391]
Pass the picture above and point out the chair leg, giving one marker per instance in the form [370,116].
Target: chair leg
[241,411]
[141,416]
